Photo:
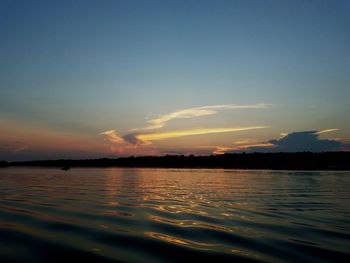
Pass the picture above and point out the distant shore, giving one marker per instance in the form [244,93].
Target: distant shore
[274,161]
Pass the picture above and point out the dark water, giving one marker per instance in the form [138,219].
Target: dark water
[169,215]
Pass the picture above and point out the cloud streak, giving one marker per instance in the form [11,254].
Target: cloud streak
[161,121]
[325,131]
[182,133]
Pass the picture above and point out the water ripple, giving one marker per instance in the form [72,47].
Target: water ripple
[173,215]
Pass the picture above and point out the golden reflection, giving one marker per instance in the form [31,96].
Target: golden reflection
[121,180]
[113,203]
[175,209]
[192,223]
[117,213]
[245,253]
[189,223]
[174,191]
[178,241]
[238,216]
[198,245]
[154,198]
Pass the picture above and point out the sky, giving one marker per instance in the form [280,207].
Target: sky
[91,79]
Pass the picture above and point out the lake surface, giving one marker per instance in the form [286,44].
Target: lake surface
[173,215]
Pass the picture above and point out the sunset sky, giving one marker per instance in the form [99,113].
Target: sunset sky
[90,79]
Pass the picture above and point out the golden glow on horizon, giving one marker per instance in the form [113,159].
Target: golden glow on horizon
[23,138]
[224,149]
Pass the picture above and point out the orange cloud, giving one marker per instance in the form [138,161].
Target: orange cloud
[113,136]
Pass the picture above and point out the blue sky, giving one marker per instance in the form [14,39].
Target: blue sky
[79,68]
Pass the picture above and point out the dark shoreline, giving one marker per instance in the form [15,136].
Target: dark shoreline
[272,161]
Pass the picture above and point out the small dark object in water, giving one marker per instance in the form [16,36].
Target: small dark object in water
[65,168]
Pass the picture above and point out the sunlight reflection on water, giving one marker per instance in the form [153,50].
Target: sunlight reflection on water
[173,214]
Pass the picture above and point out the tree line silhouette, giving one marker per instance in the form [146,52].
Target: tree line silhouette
[280,161]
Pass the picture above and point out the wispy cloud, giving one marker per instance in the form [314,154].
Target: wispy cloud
[325,131]
[161,121]
[14,147]
[145,136]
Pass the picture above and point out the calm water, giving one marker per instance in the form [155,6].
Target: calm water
[172,215]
